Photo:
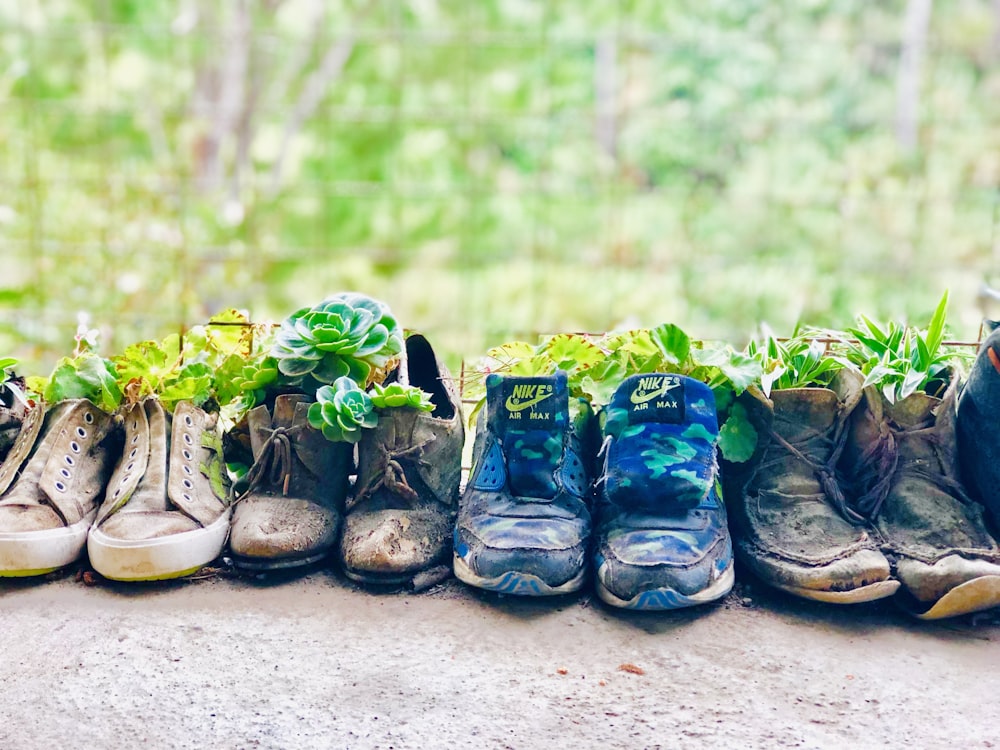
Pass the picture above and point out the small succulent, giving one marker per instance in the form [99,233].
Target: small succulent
[348,334]
[396,395]
[341,411]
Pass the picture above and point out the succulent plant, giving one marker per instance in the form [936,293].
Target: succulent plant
[396,395]
[341,411]
[348,334]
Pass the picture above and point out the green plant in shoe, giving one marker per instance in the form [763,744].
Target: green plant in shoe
[801,361]
[396,395]
[11,386]
[902,360]
[341,411]
[348,334]
[597,365]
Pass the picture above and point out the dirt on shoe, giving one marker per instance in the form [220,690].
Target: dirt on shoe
[399,522]
[903,464]
[790,520]
[289,513]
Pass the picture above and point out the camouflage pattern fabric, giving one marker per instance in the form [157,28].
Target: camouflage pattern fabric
[663,431]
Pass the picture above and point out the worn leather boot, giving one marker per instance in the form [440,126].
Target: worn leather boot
[902,461]
[791,523]
[290,512]
[399,523]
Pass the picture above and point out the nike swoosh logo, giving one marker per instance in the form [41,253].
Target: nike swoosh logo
[640,398]
[520,406]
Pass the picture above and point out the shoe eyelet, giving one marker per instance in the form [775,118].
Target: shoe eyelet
[188,421]
[133,452]
[187,454]
[82,433]
[187,470]
[69,460]
[117,492]
[135,424]
[129,467]
[186,496]
[65,472]
[135,439]
[60,486]
[74,446]
[187,483]
[187,439]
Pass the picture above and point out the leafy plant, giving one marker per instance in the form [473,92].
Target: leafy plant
[341,411]
[597,365]
[397,395]
[348,334]
[84,376]
[799,362]
[901,360]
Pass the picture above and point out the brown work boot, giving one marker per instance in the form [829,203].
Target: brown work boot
[791,525]
[902,461]
[289,514]
[399,523]
[51,483]
[166,512]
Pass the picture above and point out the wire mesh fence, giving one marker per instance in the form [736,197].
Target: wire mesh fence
[494,169]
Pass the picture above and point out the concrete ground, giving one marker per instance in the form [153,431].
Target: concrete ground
[315,662]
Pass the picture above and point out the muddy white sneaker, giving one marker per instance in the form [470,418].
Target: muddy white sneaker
[165,513]
[50,485]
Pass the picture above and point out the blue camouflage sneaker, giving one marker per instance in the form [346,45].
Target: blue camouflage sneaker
[523,522]
[662,541]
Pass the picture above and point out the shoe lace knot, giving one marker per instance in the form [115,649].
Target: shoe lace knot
[389,471]
[826,471]
[274,464]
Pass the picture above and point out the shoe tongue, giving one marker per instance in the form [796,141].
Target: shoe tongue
[663,431]
[530,417]
[529,403]
[646,398]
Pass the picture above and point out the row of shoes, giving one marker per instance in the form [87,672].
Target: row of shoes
[848,497]
[147,493]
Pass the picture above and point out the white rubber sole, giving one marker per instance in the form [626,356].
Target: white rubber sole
[513,582]
[35,553]
[157,559]
[666,599]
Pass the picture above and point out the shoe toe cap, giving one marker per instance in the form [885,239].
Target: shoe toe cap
[139,525]
[931,584]
[394,541]
[272,527]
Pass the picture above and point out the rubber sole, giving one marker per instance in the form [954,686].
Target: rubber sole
[266,564]
[660,599]
[870,593]
[35,553]
[158,559]
[972,596]
[514,582]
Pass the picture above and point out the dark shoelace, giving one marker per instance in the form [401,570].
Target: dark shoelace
[274,464]
[882,467]
[390,474]
[825,472]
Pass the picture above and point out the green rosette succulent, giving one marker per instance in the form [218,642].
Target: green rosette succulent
[342,411]
[396,395]
[348,334]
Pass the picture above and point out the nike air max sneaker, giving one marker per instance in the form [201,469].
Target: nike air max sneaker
[524,522]
[662,541]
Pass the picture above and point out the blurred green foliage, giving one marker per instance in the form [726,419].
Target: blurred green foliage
[492,169]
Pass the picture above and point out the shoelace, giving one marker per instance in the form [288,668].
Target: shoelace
[274,464]
[390,473]
[883,466]
[825,472]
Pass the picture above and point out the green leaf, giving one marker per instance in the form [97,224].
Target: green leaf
[737,436]
[674,345]
[570,352]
